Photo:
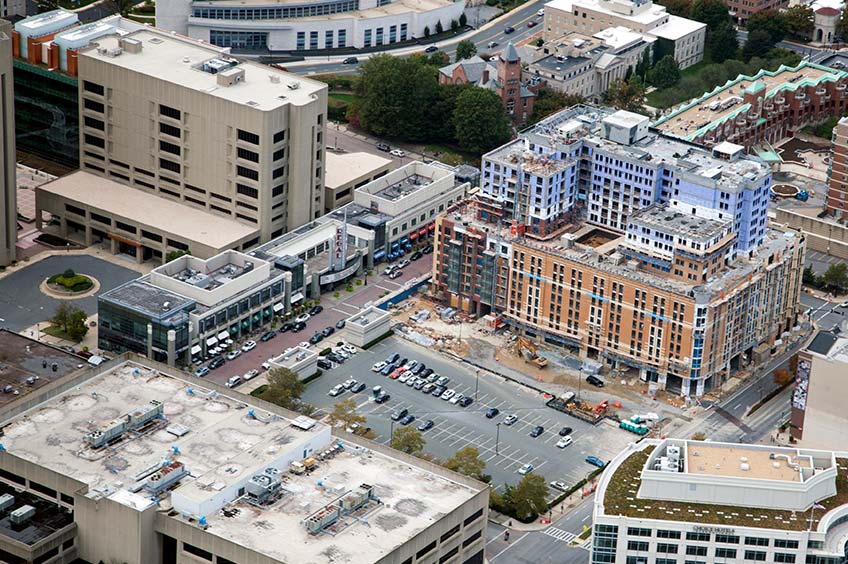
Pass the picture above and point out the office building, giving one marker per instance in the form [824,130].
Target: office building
[678,36]
[837,172]
[348,171]
[675,500]
[8,192]
[741,10]
[764,108]
[593,232]
[132,463]
[326,25]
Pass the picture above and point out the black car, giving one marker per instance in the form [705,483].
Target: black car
[492,412]
[439,390]
[416,255]
[350,61]
[419,368]
[402,362]
[340,324]
[328,331]
[299,326]
[316,338]
[267,336]
[324,364]
[383,147]
[286,327]
[595,381]
[537,430]
[407,420]
[431,49]
[426,373]
[358,387]
[465,401]
[335,358]
[426,425]
[565,431]
[382,398]
[427,250]
[217,363]
[315,310]
[393,358]
[400,414]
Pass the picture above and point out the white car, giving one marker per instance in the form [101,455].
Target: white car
[562,486]
[341,352]
[404,377]
[510,419]
[267,364]
[389,269]
[349,349]
[526,469]
[302,318]
[565,441]
[304,344]
[348,384]
[233,381]
[397,153]
[412,380]
[456,399]
[378,366]
[248,346]
[541,12]
[448,394]
[250,375]
[336,390]
[232,355]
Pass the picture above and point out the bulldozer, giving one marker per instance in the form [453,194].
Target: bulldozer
[528,351]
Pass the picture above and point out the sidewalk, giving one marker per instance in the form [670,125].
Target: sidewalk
[541,523]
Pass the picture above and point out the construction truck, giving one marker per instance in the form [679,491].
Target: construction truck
[528,351]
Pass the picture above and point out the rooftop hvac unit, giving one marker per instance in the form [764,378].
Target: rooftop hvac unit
[165,478]
[144,414]
[264,488]
[6,501]
[22,515]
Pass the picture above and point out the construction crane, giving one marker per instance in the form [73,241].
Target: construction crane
[528,351]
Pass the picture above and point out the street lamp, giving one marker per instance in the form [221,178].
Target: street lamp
[476,384]
[497,436]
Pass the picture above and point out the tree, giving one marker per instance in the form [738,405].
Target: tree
[438,59]
[842,26]
[172,255]
[62,315]
[439,27]
[710,12]
[809,277]
[782,377]
[836,277]
[799,21]
[723,43]
[529,496]
[758,44]
[770,21]
[426,31]
[465,49]
[682,8]
[284,388]
[665,73]
[77,327]
[479,121]
[643,66]
[549,101]
[628,96]
[463,19]
[699,436]
[344,415]
[467,461]
[408,440]
[454,25]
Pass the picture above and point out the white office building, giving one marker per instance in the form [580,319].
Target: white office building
[680,501]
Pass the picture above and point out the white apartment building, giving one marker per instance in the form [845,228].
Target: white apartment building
[306,26]
[680,36]
[178,119]
[701,502]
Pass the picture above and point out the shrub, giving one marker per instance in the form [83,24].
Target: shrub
[336,294]
[325,352]
[69,273]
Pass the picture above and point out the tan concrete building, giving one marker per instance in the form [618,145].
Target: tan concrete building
[8,195]
[178,119]
[824,234]
[150,468]
[348,171]
[837,173]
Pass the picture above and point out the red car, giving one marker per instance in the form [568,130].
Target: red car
[532,24]
[396,373]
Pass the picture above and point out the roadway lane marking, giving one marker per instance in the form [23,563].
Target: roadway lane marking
[518,540]
[559,534]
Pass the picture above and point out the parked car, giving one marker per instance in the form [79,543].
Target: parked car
[448,394]
[492,412]
[232,355]
[349,383]
[202,371]
[302,318]
[358,387]
[595,381]
[315,310]
[299,326]
[340,324]
[465,401]
[397,153]
[419,383]
[407,420]
[438,391]
[456,399]
[510,419]
[433,378]
[426,373]
[350,61]
[412,381]
[350,349]
[376,367]
[509,29]
[233,381]
[267,364]
[426,425]
[335,358]
[541,12]
[558,485]
[396,373]
[393,358]
[316,338]
[431,49]
[329,330]
[404,263]
[404,377]
[442,381]
[285,327]
[387,369]
[336,390]
[427,250]
[595,461]
[267,336]
[395,274]
[419,369]
[526,469]
[416,255]
[325,364]
[389,269]
[399,414]
[537,430]
[565,441]
[383,147]
[565,431]
[382,398]
[341,353]
[250,375]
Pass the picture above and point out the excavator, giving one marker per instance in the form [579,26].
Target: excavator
[526,349]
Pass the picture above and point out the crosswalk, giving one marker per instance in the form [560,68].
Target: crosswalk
[559,534]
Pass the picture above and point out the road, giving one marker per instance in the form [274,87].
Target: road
[815,54]
[824,314]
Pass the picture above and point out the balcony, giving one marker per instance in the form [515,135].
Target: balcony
[769,106]
[840,87]
[740,121]
[753,116]
[820,91]
[800,95]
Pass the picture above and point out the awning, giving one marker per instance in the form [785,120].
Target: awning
[256,318]
[124,240]
[234,329]
[211,341]
[296,297]
[379,255]
[195,350]
[223,336]
[404,240]
[413,236]
[279,307]
[431,227]
[245,324]
[96,360]
[395,245]
[422,232]
[267,312]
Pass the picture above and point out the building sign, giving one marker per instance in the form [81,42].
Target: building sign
[338,250]
[716,530]
[339,275]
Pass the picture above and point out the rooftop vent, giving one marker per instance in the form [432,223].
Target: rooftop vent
[22,515]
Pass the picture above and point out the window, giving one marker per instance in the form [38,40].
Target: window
[301,41]
[35,486]
[247,172]
[343,38]
[666,548]
[367,40]
[278,172]
[94,140]
[785,543]
[425,550]
[93,106]
[449,533]
[756,541]
[727,539]
[89,86]
[169,165]
[637,560]
[449,554]
[328,39]
[248,155]
[94,123]
[473,517]
[637,546]
[313,39]
[665,561]
[151,236]
[46,556]
[169,129]
[758,555]
[199,552]
[249,137]
[169,147]
[280,136]
[6,475]
[696,550]
[66,499]
[663,534]
[279,154]
[692,536]
[170,112]
[95,156]
[239,39]
[784,557]
[247,191]
[725,552]
[125,226]
[472,538]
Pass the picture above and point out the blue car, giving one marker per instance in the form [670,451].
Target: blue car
[202,371]
[595,461]
[387,369]
[393,358]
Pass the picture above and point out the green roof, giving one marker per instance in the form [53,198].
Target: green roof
[756,87]
[769,156]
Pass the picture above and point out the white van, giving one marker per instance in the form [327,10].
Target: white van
[233,381]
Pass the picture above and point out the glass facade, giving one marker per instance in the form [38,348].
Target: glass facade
[123,329]
[276,13]
[239,39]
[604,544]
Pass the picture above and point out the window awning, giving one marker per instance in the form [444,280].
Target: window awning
[404,240]
[211,341]
[266,312]
[432,227]
[278,308]
[195,350]
[422,232]
[296,297]
[223,336]
[234,329]
[379,255]
[245,324]
[395,245]
[256,318]
[413,236]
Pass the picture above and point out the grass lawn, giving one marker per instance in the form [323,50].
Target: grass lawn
[449,155]
[344,97]
[57,332]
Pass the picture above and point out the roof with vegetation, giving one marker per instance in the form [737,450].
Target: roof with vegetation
[621,498]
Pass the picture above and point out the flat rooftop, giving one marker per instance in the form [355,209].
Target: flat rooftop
[725,102]
[164,215]
[210,279]
[27,365]
[147,298]
[345,168]
[645,17]
[48,517]
[668,220]
[557,64]
[177,59]
[676,28]
[708,459]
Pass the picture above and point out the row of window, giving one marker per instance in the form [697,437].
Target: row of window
[281,13]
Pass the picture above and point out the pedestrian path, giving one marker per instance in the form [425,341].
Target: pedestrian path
[559,534]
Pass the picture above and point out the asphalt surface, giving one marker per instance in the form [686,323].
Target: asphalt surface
[504,451]
[824,314]
[23,305]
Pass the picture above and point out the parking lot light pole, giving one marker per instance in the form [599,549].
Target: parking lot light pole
[392,433]
[476,384]
[497,436]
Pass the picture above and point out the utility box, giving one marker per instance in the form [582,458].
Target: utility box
[22,515]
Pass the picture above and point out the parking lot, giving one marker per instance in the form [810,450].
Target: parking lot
[504,448]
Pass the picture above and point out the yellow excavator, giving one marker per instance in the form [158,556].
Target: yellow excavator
[528,351]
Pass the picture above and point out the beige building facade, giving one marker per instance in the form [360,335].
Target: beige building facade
[8,195]
[183,120]
[348,171]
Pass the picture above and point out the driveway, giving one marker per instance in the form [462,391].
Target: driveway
[23,305]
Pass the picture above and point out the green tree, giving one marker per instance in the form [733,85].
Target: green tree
[77,327]
[284,388]
[344,415]
[682,8]
[799,21]
[454,25]
[439,27]
[809,277]
[842,25]
[699,436]
[549,101]
[426,31]
[643,66]
[723,43]
[408,440]
[479,121]
[836,277]
[629,96]
[665,73]
[529,496]
[465,49]
[62,315]
[467,461]
[770,21]
[758,44]
[463,19]
[711,12]
[438,59]
[172,255]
